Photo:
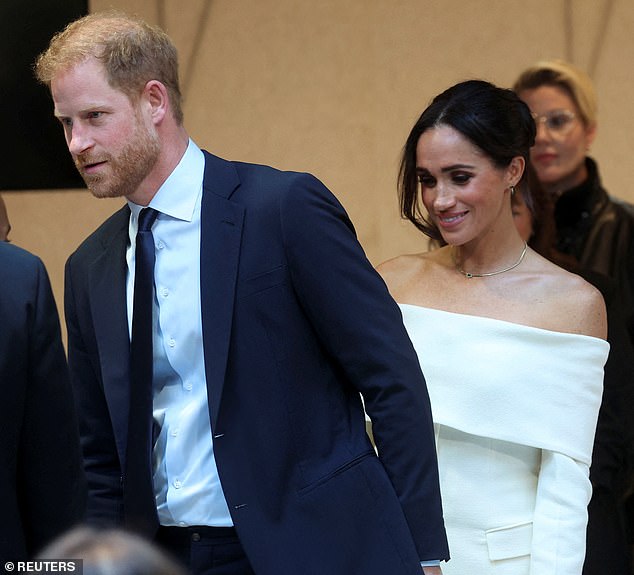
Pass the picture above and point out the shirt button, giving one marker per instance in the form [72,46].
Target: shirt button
[177,484]
[160,245]
[195,537]
[174,433]
[171,342]
[165,292]
[188,386]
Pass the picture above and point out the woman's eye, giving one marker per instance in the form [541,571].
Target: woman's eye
[461,178]
[558,121]
[427,181]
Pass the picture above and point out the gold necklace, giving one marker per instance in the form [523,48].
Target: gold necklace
[469,275]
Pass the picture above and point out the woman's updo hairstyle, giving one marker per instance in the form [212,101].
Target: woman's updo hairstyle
[494,119]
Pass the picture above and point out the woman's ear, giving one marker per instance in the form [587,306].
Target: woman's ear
[515,170]
[590,134]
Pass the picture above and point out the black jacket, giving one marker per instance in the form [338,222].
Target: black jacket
[598,231]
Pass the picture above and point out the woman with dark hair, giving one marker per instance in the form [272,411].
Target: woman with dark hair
[511,345]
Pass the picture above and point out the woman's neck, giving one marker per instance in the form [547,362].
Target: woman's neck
[572,180]
[487,257]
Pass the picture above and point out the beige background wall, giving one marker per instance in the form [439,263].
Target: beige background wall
[333,87]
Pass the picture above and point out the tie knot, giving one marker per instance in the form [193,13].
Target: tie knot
[146,219]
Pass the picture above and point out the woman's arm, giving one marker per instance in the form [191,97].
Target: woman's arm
[559,524]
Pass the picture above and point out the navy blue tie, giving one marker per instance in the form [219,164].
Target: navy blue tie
[138,492]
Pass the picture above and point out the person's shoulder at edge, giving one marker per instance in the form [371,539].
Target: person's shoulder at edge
[18,254]
[250,172]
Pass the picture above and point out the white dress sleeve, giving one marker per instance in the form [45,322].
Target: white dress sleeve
[559,523]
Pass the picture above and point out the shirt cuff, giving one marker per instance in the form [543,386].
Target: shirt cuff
[430,563]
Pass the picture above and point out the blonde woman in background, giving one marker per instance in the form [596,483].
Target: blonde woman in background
[592,228]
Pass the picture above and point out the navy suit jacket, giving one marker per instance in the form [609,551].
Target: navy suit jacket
[296,324]
[41,480]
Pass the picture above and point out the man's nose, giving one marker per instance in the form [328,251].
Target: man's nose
[79,140]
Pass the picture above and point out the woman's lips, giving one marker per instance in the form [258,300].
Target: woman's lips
[545,158]
[448,221]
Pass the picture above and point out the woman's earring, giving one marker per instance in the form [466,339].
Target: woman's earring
[512,188]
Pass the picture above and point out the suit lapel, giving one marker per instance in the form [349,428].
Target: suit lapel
[221,234]
[109,312]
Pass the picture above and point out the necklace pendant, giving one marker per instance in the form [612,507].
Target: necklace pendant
[468,275]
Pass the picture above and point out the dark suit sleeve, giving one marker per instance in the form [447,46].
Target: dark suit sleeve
[50,479]
[361,327]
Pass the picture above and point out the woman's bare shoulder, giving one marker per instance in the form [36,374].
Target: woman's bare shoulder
[406,272]
[574,302]
[591,315]
[398,265]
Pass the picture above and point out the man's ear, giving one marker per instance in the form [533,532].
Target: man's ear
[157,99]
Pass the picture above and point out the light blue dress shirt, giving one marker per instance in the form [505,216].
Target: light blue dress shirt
[186,483]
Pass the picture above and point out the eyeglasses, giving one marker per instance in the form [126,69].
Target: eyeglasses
[557,122]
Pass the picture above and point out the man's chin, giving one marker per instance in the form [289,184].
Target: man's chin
[102,192]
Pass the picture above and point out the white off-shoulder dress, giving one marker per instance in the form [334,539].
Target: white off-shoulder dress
[515,410]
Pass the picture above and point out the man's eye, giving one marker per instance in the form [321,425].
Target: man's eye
[95,115]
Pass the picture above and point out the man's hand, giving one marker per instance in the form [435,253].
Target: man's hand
[432,571]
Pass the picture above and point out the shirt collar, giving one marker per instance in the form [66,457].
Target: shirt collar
[179,194]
